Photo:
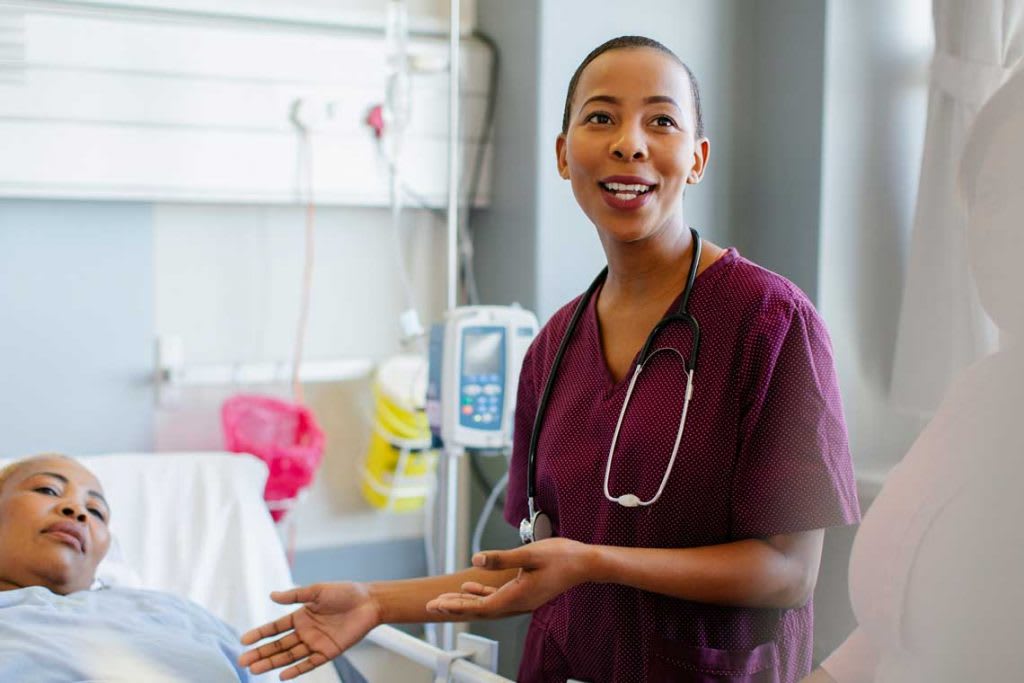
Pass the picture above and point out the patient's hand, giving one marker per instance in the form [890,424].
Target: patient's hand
[333,617]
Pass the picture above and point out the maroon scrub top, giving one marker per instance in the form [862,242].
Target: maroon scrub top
[764,452]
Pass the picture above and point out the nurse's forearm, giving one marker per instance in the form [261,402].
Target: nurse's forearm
[778,572]
[404,601]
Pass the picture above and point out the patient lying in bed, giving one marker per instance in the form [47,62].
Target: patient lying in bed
[53,627]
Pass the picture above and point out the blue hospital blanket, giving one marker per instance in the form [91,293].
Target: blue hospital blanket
[113,635]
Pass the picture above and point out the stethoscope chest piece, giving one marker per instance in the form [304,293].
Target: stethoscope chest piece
[536,528]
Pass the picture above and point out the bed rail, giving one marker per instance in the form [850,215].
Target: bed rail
[474,659]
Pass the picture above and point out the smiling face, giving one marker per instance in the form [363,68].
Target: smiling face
[53,525]
[631,145]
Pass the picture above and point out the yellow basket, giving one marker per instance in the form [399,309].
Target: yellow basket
[399,470]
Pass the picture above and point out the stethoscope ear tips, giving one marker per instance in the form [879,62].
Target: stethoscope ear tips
[628,500]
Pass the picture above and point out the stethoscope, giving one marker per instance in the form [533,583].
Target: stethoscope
[537,526]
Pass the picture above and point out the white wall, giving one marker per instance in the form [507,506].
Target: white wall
[875,101]
[185,107]
[228,280]
[424,15]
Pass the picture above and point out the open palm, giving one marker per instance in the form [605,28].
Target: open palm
[332,618]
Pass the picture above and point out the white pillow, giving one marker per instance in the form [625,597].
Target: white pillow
[115,570]
[196,525]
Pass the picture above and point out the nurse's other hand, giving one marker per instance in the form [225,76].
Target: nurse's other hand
[548,568]
[333,617]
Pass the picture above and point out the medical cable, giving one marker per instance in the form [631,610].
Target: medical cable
[466,250]
[305,185]
[477,472]
[306,165]
[396,189]
[495,496]
[486,135]
[430,630]
[396,113]
[487,510]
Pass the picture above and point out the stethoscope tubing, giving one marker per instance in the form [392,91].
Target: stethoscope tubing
[629,499]
[682,315]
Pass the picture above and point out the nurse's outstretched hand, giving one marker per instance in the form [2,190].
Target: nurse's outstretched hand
[547,569]
[333,617]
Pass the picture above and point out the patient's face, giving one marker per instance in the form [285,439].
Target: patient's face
[53,526]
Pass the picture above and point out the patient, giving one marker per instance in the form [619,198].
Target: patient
[935,572]
[53,628]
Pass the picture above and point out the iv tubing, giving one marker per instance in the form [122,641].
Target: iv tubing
[307,270]
[485,513]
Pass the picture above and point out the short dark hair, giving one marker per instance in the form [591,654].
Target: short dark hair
[628,42]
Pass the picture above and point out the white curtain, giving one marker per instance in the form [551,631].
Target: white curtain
[942,327]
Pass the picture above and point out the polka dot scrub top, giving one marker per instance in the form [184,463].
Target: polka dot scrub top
[764,452]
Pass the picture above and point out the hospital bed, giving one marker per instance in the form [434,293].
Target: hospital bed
[196,525]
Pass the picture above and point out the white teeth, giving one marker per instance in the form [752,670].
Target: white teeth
[622,187]
[625,196]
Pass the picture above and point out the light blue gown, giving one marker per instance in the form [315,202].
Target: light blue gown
[113,635]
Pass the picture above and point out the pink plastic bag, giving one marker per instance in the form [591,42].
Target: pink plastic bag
[284,435]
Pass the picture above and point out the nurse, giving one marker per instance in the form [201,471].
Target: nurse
[710,576]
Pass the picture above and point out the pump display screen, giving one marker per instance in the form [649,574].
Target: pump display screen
[482,385]
[482,353]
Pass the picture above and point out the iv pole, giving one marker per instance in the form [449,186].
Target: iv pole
[453,155]
[476,658]
[452,459]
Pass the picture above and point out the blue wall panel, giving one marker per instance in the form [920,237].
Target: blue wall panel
[76,326]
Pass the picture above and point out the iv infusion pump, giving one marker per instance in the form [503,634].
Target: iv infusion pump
[475,358]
